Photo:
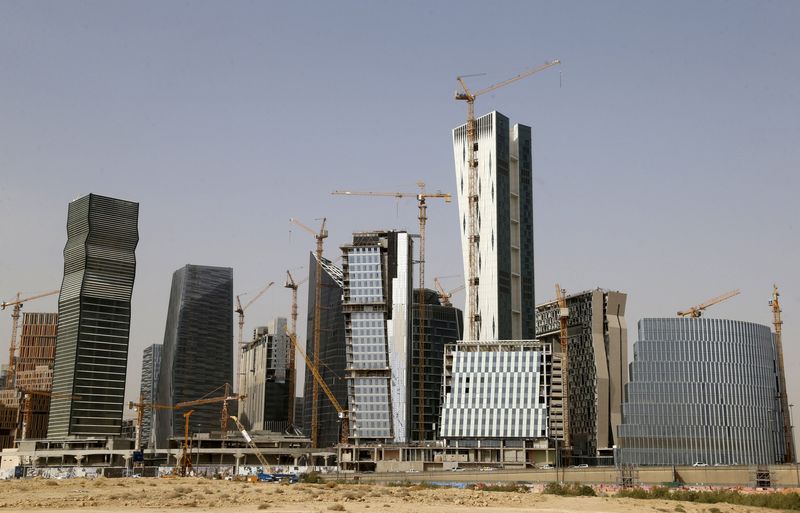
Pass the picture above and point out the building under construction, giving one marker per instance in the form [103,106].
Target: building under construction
[148,389]
[597,337]
[332,353]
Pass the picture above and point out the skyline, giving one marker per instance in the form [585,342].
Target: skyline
[664,153]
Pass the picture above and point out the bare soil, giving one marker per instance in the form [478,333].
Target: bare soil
[188,494]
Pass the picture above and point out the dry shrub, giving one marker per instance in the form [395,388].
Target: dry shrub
[330,484]
[336,507]
[51,482]
[264,505]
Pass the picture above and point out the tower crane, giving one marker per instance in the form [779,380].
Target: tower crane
[240,310]
[345,429]
[697,310]
[251,443]
[784,401]
[140,408]
[293,285]
[27,406]
[185,463]
[223,420]
[445,296]
[12,348]
[474,319]
[320,238]
[563,318]
[421,197]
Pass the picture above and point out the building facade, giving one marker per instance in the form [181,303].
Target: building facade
[332,353]
[505,225]
[376,270]
[598,355]
[496,391]
[94,313]
[264,364]
[702,390]
[197,357]
[148,389]
[37,351]
[443,325]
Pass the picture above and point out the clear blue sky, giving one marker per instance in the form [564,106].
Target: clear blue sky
[666,146]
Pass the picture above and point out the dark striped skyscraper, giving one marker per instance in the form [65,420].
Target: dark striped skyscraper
[151,365]
[94,313]
[197,357]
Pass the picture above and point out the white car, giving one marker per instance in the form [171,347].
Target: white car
[546,466]
[699,464]
[456,469]
[487,469]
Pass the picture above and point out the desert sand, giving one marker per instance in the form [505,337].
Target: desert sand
[155,495]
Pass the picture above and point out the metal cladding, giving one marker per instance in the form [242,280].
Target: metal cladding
[505,225]
[37,350]
[702,390]
[443,325]
[332,352]
[197,357]
[151,367]
[598,353]
[94,312]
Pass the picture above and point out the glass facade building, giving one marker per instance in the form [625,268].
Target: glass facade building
[151,368]
[197,357]
[332,353]
[701,390]
[505,225]
[94,315]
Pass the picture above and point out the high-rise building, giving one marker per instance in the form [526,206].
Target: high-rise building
[505,225]
[702,390]
[443,325]
[197,357]
[94,314]
[37,350]
[496,392]
[332,352]
[264,366]
[377,317]
[151,368]
[598,354]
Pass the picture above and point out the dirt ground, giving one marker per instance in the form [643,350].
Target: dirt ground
[151,495]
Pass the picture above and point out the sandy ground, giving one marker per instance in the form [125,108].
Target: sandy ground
[151,495]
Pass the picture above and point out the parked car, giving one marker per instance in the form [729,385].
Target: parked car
[456,469]
[699,464]
[487,469]
[582,465]
[546,466]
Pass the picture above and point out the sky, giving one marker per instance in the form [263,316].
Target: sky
[665,146]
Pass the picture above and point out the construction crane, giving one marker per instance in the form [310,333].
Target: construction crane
[223,421]
[251,443]
[421,197]
[445,296]
[293,285]
[27,406]
[12,348]
[185,463]
[474,319]
[697,310]
[240,310]
[320,238]
[563,318]
[784,400]
[140,408]
[344,434]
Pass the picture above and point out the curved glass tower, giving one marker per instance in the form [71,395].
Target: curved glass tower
[701,390]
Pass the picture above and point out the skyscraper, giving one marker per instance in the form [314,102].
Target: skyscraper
[444,325]
[37,350]
[94,313]
[702,390]
[151,368]
[377,316]
[264,366]
[332,352]
[505,225]
[598,354]
[197,358]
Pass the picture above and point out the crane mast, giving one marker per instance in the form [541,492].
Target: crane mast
[563,319]
[473,232]
[320,239]
[782,397]
[292,377]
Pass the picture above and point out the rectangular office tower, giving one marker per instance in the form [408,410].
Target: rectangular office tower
[377,318]
[264,364]
[37,350]
[197,358]
[332,353]
[598,354]
[94,314]
[148,390]
[444,325]
[505,225]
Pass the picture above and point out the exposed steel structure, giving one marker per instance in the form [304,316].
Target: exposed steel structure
[788,439]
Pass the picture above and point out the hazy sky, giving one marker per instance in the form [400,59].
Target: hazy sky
[665,157]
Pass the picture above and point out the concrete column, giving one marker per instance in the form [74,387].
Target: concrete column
[238,457]
[295,460]
[127,458]
[78,460]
